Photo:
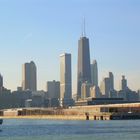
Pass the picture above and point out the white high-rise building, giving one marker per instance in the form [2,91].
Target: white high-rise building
[65,76]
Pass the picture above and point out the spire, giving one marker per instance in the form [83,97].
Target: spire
[83,28]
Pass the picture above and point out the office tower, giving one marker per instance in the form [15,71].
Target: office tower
[84,70]
[94,73]
[53,89]
[111,77]
[95,92]
[65,76]
[105,87]
[29,81]
[1,81]
[123,83]
[85,90]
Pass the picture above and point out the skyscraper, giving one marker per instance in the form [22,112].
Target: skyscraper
[111,77]
[29,80]
[94,73]
[95,92]
[123,83]
[105,87]
[1,81]
[65,76]
[53,89]
[85,90]
[84,70]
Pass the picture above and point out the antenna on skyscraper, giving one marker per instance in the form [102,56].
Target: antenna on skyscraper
[83,28]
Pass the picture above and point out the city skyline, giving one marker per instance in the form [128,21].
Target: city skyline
[112,28]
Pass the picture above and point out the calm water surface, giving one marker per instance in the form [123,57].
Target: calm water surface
[28,129]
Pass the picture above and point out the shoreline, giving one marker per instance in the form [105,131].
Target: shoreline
[49,117]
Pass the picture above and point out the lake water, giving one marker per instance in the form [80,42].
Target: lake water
[35,129]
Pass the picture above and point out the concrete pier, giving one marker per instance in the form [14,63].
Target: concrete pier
[94,112]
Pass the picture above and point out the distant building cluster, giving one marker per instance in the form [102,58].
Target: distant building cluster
[59,93]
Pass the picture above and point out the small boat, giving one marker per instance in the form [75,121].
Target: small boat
[1,121]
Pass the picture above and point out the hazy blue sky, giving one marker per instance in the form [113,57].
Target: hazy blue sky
[40,30]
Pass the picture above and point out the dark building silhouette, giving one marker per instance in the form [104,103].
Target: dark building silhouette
[29,76]
[84,70]
[53,93]
[1,82]
[123,83]
[53,89]
[111,77]
[94,73]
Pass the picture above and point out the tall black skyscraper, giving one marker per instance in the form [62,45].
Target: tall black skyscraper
[84,70]
[29,75]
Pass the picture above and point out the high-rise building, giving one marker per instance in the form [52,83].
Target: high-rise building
[95,92]
[84,70]
[53,89]
[65,76]
[123,83]
[85,90]
[29,76]
[94,73]
[111,77]
[105,87]
[1,81]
